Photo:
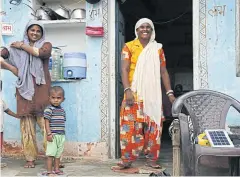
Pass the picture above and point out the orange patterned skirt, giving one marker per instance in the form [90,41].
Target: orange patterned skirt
[137,133]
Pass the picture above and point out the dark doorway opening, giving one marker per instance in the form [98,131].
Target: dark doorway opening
[173,25]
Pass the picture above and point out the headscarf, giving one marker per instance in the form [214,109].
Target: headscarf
[147,78]
[142,21]
[28,65]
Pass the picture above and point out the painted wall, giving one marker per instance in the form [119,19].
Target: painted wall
[221,51]
[82,97]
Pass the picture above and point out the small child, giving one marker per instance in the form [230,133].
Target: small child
[55,117]
[5,109]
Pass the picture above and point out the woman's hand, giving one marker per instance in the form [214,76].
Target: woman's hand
[17,44]
[129,97]
[50,138]
[171,98]
[18,116]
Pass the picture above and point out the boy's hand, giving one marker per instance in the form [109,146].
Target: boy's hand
[4,52]
[50,138]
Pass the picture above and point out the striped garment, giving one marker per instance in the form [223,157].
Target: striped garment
[57,118]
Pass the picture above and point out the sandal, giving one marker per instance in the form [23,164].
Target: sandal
[163,173]
[153,165]
[47,173]
[29,164]
[58,172]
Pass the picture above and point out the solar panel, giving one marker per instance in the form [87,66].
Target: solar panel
[219,138]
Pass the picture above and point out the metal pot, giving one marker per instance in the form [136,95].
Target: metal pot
[78,14]
[41,14]
[50,13]
[63,12]
[93,1]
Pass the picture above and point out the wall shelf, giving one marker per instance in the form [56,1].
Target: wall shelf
[66,80]
[63,23]
[60,1]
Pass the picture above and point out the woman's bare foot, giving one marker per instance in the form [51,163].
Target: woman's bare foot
[120,166]
[125,168]
[153,164]
[29,164]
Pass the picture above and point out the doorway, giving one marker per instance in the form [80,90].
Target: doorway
[173,26]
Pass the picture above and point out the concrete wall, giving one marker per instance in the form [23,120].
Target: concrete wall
[221,51]
[83,126]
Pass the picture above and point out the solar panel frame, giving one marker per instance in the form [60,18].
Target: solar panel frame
[218,138]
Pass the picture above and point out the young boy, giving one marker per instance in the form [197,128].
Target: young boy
[55,117]
[4,109]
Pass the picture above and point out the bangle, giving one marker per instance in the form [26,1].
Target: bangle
[170,94]
[128,88]
[49,134]
[169,91]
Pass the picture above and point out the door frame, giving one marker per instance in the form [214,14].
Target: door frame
[200,65]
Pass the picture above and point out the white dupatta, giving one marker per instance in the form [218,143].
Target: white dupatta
[147,78]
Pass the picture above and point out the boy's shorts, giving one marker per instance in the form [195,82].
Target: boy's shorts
[55,148]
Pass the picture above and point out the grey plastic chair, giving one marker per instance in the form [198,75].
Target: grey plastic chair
[207,110]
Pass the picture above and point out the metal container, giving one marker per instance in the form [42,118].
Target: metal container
[78,13]
[63,12]
[41,14]
[93,1]
[74,65]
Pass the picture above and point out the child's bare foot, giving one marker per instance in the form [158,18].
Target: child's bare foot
[61,165]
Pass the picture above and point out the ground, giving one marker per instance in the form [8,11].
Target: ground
[83,167]
[101,168]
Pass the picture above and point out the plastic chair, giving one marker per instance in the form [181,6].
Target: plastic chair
[207,110]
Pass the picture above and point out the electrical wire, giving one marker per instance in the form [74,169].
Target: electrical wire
[171,20]
[123,1]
